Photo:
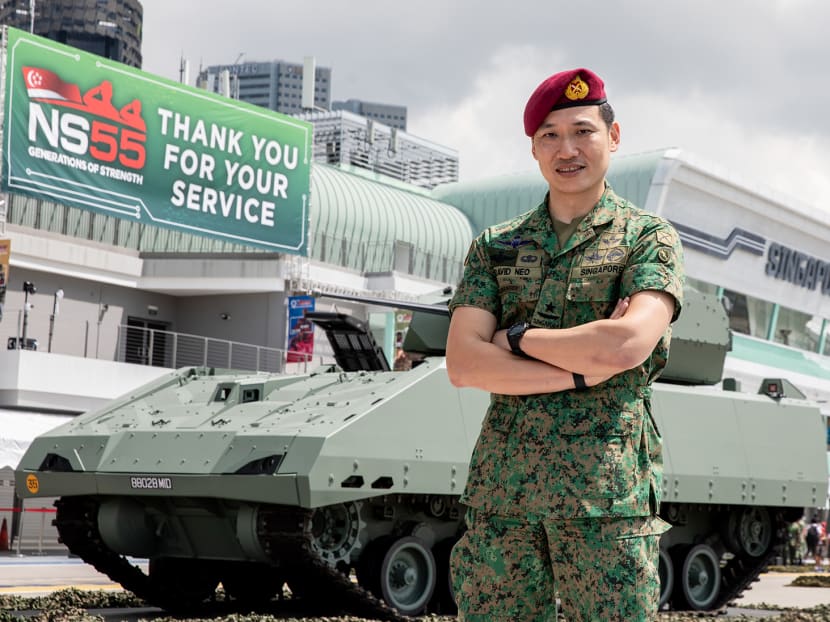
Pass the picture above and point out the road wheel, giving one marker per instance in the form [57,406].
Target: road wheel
[408,575]
[755,531]
[697,583]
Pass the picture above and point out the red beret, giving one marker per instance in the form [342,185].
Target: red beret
[577,87]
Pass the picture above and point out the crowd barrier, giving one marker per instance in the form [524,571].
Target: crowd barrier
[35,529]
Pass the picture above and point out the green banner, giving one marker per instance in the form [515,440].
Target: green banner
[89,132]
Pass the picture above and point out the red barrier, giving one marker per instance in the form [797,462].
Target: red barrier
[4,537]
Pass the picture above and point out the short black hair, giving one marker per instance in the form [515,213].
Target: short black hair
[607,113]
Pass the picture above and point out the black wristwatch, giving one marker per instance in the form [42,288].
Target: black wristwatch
[514,335]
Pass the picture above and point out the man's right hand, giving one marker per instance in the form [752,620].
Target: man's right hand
[620,309]
[616,314]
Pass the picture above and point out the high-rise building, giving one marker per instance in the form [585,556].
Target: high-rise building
[388,114]
[351,141]
[277,85]
[108,28]
[356,134]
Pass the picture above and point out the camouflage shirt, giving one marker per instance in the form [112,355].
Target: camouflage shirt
[571,454]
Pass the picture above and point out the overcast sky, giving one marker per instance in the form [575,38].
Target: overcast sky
[741,84]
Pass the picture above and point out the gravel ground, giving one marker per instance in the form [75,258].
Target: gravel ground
[72,605]
[809,615]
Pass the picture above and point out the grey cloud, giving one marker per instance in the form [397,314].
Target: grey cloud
[757,66]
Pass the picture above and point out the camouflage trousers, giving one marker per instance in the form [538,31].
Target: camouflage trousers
[603,569]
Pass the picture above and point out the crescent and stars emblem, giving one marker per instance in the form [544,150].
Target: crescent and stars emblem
[34,78]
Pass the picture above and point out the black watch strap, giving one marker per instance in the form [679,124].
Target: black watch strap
[514,336]
[579,382]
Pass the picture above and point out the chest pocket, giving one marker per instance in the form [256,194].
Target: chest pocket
[591,299]
[519,292]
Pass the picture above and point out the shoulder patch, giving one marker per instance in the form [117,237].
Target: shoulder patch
[666,238]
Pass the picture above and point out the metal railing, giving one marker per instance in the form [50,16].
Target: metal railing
[36,533]
[163,348]
[143,346]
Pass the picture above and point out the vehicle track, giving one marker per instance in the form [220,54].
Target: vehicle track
[285,533]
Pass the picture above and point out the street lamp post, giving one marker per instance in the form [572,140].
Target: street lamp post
[55,309]
[235,86]
[28,288]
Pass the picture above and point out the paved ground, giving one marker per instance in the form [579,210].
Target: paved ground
[36,575]
[774,589]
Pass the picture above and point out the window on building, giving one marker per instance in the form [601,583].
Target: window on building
[797,329]
[751,316]
[747,314]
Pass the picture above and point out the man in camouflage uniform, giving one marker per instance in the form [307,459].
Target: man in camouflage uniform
[564,481]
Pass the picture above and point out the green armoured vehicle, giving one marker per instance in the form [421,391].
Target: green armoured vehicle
[255,480]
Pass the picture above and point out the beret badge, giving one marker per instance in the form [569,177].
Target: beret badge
[577,89]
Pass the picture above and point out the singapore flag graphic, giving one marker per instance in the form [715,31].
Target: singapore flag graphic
[43,84]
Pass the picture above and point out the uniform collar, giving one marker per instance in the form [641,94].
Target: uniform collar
[542,232]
